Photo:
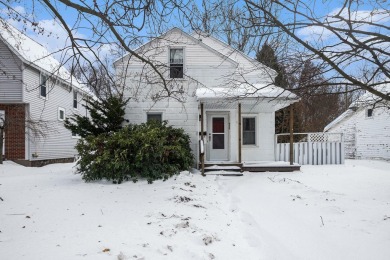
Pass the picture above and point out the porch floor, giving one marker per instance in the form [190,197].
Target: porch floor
[261,166]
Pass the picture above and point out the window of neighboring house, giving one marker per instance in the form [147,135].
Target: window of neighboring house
[249,130]
[74,135]
[176,63]
[61,114]
[154,116]
[75,104]
[369,112]
[43,86]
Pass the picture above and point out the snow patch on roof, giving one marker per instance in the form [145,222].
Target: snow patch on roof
[34,54]
[367,99]
[246,91]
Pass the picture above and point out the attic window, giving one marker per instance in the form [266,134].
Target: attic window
[176,63]
[369,112]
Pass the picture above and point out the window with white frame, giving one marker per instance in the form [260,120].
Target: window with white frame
[61,113]
[176,63]
[43,86]
[154,116]
[74,135]
[75,104]
[369,112]
[249,130]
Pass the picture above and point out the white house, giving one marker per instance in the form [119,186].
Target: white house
[36,94]
[208,85]
[366,128]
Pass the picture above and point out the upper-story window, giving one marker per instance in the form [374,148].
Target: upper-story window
[369,112]
[176,63]
[75,104]
[43,86]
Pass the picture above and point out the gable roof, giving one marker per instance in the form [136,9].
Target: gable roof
[36,55]
[367,99]
[228,50]
[188,36]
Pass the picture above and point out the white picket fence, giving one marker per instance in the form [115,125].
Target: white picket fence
[313,148]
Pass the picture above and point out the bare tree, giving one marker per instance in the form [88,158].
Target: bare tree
[350,44]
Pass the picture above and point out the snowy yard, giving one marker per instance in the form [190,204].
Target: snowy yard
[322,212]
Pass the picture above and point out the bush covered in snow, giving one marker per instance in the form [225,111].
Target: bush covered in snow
[151,150]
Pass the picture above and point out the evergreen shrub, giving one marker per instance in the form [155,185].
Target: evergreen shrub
[151,150]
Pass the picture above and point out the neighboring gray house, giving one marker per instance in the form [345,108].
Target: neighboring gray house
[36,94]
[366,128]
[232,91]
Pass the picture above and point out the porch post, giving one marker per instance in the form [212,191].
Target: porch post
[202,137]
[239,133]
[291,134]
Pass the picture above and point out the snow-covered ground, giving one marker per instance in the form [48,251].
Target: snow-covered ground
[322,212]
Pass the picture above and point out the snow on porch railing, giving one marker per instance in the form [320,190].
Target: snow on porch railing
[311,148]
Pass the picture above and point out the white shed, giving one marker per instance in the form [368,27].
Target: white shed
[366,128]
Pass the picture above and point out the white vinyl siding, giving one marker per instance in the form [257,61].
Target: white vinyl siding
[11,87]
[366,137]
[58,143]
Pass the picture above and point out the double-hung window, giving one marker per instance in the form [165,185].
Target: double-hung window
[249,130]
[369,112]
[43,86]
[75,104]
[176,63]
[61,114]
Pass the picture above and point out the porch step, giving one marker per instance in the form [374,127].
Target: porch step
[251,167]
[229,167]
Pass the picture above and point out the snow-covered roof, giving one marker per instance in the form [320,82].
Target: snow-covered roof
[367,99]
[228,51]
[191,37]
[36,55]
[246,91]
[340,118]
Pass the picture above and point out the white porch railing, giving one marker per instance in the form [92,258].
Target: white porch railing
[311,148]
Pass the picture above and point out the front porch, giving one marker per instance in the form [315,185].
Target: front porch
[237,132]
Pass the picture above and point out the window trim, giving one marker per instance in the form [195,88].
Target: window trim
[75,99]
[75,136]
[169,61]
[41,76]
[367,113]
[242,130]
[155,113]
[59,113]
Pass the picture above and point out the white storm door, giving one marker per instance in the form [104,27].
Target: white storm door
[218,131]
